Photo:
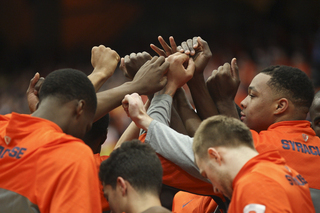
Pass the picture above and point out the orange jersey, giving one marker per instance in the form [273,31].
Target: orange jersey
[173,176]
[44,169]
[104,203]
[176,177]
[266,184]
[192,203]
[298,145]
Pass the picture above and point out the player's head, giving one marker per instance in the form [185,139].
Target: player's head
[218,131]
[97,134]
[275,94]
[214,137]
[133,165]
[73,88]
[315,113]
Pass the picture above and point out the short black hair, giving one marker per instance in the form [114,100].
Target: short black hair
[135,162]
[69,84]
[292,82]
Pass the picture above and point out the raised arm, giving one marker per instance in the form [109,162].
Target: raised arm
[189,117]
[223,85]
[104,61]
[150,78]
[200,51]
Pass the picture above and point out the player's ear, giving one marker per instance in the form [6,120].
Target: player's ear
[281,106]
[122,184]
[214,155]
[80,107]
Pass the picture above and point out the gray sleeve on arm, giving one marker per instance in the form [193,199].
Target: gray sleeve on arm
[173,146]
[160,108]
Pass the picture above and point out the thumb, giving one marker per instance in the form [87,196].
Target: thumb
[234,68]
[122,65]
[191,67]
[163,81]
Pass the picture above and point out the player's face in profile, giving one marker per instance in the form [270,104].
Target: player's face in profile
[113,198]
[257,107]
[315,115]
[218,177]
[84,123]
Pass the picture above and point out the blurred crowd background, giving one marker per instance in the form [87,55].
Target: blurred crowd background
[44,35]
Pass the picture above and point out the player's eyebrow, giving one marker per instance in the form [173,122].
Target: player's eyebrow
[252,88]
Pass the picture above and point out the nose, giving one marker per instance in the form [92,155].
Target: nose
[243,103]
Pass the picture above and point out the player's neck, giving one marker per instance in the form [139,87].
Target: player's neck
[236,158]
[139,203]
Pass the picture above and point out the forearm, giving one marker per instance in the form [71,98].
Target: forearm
[188,116]
[131,132]
[110,99]
[173,146]
[98,79]
[201,97]
[228,108]
[176,122]
[160,108]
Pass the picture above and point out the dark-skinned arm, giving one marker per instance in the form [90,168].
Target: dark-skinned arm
[149,79]
[200,51]
[223,85]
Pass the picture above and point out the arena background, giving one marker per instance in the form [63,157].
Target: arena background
[41,36]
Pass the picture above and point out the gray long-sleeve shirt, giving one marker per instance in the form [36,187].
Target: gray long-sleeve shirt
[172,145]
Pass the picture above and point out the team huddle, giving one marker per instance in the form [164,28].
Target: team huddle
[261,156]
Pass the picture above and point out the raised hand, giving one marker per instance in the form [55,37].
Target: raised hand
[151,77]
[199,50]
[104,61]
[134,107]
[130,64]
[178,75]
[33,92]
[224,82]
[167,50]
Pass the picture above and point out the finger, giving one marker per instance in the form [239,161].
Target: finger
[234,69]
[195,42]
[165,46]
[227,69]
[39,83]
[164,67]
[122,65]
[220,68]
[205,46]
[94,49]
[190,46]
[146,55]
[191,67]
[159,51]
[158,61]
[133,56]
[182,57]
[155,58]
[35,79]
[126,59]
[185,47]
[180,49]
[173,44]
[125,100]
[163,81]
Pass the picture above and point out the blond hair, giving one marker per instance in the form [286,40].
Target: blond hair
[221,130]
